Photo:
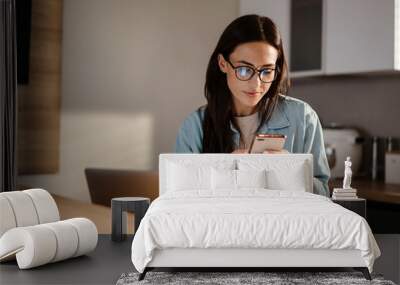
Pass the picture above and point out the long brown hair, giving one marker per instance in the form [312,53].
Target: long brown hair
[218,136]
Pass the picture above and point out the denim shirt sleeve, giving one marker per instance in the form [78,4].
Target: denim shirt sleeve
[190,134]
[314,143]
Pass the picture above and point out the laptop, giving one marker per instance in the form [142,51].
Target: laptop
[105,184]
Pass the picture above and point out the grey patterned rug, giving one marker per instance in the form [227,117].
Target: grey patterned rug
[229,278]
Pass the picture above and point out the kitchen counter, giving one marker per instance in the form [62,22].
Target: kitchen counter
[377,191]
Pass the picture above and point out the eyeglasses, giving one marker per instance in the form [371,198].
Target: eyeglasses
[245,73]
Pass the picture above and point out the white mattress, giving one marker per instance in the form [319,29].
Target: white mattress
[251,218]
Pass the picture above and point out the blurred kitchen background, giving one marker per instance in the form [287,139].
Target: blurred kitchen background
[103,86]
[106,84]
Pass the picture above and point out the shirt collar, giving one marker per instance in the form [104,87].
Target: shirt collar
[278,120]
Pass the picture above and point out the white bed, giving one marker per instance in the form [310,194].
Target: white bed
[224,210]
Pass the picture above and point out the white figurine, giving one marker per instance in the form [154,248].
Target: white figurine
[347,174]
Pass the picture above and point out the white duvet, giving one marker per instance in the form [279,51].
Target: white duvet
[251,218]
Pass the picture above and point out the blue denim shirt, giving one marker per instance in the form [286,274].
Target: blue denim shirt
[292,117]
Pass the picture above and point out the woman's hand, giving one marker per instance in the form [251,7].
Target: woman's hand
[241,150]
[283,151]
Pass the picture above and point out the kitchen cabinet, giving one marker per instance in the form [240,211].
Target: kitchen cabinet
[325,37]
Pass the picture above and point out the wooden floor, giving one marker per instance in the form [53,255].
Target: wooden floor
[100,215]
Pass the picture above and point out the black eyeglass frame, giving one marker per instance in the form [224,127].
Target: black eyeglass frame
[258,71]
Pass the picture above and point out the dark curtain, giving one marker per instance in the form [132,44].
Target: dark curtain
[8,100]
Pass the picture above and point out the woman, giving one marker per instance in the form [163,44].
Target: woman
[246,77]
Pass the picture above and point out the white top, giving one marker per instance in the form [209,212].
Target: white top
[248,127]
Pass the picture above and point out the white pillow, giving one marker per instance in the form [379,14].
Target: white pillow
[223,179]
[236,179]
[294,179]
[251,178]
[188,177]
[281,175]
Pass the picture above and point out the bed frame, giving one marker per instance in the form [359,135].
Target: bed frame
[241,259]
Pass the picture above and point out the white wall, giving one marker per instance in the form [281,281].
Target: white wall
[131,72]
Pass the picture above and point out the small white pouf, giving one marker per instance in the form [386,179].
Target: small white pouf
[45,243]
[45,206]
[26,208]
[22,207]
[7,218]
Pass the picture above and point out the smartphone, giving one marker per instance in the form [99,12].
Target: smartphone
[263,142]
